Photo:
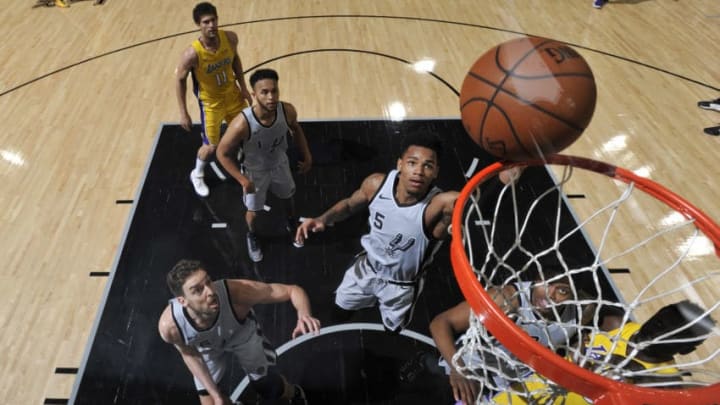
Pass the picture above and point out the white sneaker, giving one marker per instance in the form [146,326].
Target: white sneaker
[199,185]
[254,250]
[710,104]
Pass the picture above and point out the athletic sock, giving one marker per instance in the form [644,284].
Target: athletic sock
[200,165]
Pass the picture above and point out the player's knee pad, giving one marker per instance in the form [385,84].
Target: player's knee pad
[272,386]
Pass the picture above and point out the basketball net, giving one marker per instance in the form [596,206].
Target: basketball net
[629,249]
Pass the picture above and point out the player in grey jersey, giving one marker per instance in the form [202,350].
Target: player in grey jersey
[262,131]
[408,216]
[208,321]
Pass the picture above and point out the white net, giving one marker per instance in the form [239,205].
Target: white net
[643,285]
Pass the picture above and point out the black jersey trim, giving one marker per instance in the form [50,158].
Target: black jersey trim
[177,324]
[230,304]
[274,119]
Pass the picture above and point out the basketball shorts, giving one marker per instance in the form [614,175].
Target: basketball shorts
[214,112]
[535,390]
[496,363]
[253,351]
[362,288]
[277,180]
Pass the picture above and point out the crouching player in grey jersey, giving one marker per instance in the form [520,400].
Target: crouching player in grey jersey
[208,321]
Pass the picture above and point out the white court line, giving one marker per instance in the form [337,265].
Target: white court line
[219,225]
[327,331]
[217,171]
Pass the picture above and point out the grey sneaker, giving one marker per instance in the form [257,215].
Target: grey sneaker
[254,250]
[198,182]
[714,131]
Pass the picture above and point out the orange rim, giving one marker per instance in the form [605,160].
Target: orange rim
[577,379]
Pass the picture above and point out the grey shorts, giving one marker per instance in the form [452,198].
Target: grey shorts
[255,354]
[278,181]
[362,288]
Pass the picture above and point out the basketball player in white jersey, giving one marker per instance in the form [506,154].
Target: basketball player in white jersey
[529,303]
[208,321]
[408,218]
[261,131]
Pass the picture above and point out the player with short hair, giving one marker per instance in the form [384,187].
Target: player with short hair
[408,219]
[677,328]
[218,84]
[207,321]
[261,131]
[533,305]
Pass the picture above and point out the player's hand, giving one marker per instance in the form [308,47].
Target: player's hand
[304,166]
[511,175]
[464,390]
[186,122]
[306,324]
[308,225]
[248,186]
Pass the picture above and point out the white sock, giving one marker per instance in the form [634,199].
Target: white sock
[200,166]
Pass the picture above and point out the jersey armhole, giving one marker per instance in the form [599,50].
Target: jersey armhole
[177,324]
[228,297]
[247,120]
[377,192]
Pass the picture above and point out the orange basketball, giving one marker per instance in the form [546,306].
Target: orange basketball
[527,98]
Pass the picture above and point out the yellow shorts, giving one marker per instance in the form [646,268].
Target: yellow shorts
[536,391]
[214,112]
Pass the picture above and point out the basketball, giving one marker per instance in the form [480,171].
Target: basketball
[527,98]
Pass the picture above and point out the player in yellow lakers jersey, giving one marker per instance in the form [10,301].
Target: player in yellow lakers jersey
[675,329]
[218,84]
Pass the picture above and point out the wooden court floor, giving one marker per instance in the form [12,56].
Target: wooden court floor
[84,90]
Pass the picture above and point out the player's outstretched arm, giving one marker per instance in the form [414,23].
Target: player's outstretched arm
[246,293]
[443,328]
[438,214]
[343,209]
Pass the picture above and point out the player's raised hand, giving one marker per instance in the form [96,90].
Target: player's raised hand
[306,227]
[306,324]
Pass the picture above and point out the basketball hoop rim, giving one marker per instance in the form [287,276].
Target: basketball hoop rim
[575,378]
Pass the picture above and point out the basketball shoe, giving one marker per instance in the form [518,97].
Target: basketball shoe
[710,105]
[198,182]
[714,131]
[291,228]
[599,3]
[254,250]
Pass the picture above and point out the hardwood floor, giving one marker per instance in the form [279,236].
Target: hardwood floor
[84,90]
